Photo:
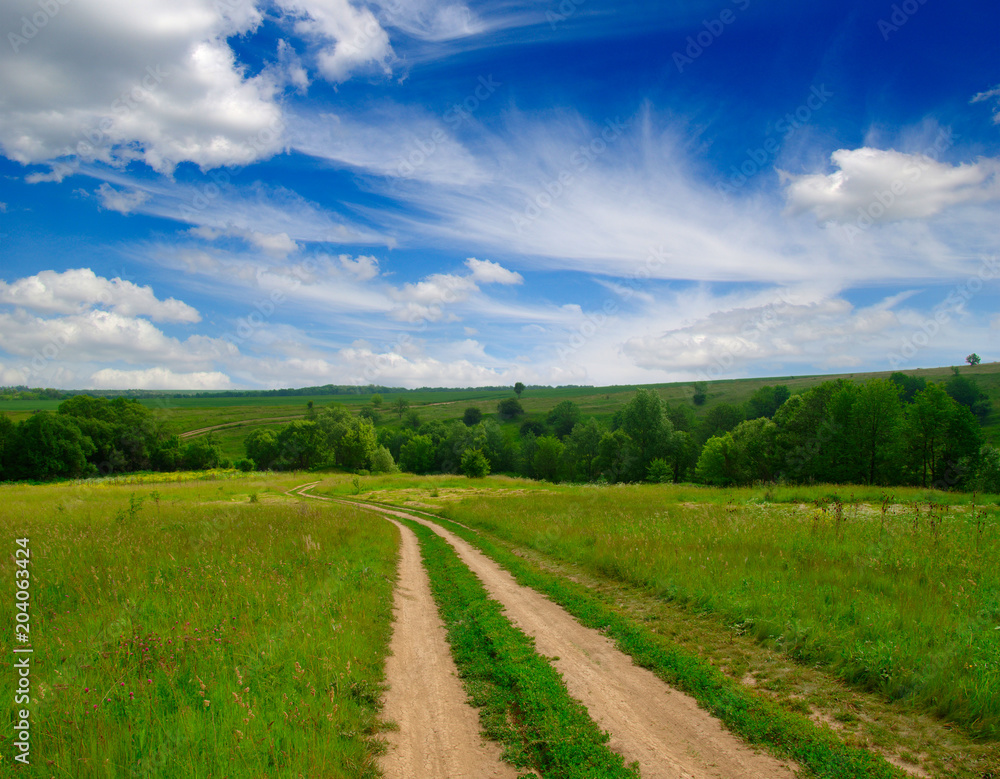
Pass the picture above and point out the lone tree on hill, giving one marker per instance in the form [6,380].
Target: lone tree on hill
[518,389]
[401,406]
[973,359]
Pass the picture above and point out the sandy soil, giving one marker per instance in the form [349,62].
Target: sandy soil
[438,735]
[649,722]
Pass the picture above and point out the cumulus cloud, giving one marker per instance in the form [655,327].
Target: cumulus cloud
[425,300]
[122,80]
[887,185]
[350,38]
[158,378]
[362,268]
[489,272]
[122,201]
[826,331]
[76,291]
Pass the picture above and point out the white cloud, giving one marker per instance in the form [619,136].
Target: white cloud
[994,95]
[430,20]
[363,267]
[124,202]
[489,272]
[405,143]
[122,80]
[103,336]
[268,217]
[3,208]
[425,300]
[76,291]
[785,333]
[350,38]
[158,378]
[887,185]
[274,244]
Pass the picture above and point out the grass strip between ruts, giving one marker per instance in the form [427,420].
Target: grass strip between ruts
[523,702]
[754,720]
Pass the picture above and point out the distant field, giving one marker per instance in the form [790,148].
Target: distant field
[185,414]
[192,627]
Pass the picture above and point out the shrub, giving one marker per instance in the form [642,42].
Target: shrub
[509,408]
[474,464]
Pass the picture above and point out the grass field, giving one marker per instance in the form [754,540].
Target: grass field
[200,627]
[906,603]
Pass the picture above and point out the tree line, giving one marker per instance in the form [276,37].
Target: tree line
[897,431]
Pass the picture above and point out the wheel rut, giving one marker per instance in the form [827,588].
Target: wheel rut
[651,723]
[438,735]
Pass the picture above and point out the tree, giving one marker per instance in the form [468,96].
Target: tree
[518,389]
[548,457]
[382,462]
[644,422]
[509,408]
[973,359]
[358,445]
[7,432]
[201,454]
[48,446]
[720,419]
[685,454]
[966,391]
[401,406]
[371,413]
[926,430]
[717,464]
[472,416]
[766,400]
[659,471]
[377,401]
[700,393]
[754,442]
[909,385]
[618,457]
[876,416]
[417,455]
[300,445]
[564,417]
[262,447]
[533,426]
[412,419]
[987,478]
[584,449]
[474,464]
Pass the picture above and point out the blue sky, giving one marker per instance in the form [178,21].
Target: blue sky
[210,195]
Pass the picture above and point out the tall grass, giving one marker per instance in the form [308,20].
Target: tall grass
[905,601]
[183,630]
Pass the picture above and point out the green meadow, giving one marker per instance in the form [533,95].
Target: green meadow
[192,625]
[899,595]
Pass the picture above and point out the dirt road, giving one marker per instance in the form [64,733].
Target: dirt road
[438,735]
[649,722]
